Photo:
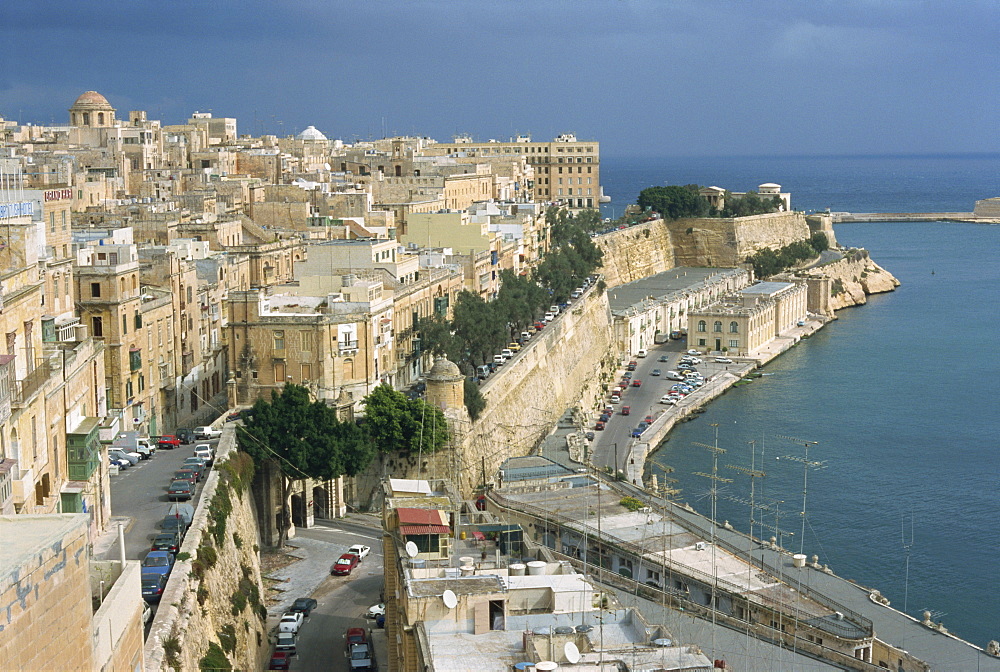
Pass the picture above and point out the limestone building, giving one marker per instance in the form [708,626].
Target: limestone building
[744,322]
[566,170]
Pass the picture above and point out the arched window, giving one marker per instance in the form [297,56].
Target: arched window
[100,118]
[702,325]
[734,327]
[717,327]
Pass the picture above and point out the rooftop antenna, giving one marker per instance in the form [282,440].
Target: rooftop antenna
[907,545]
[716,479]
[806,464]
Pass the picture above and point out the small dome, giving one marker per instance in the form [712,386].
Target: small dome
[443,370]
[311,133]
[92,100]
[770,185]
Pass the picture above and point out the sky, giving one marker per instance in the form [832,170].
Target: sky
[644,77]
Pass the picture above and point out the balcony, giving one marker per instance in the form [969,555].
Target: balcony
[25,389]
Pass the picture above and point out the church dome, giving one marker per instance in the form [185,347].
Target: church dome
[311,133]
[92,100]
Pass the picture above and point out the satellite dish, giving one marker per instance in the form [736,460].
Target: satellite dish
[572,653]
[411,549]
[450,600]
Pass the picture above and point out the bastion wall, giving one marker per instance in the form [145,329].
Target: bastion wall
[201,598]
[853,278]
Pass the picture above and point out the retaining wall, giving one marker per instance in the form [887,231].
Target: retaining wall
[189,623]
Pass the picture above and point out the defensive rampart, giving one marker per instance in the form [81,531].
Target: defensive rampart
[653,247]
[853,278]
[213,605]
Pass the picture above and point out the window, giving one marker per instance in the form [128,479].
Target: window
[97,327]
[52,222]
[124,324]
[95,289]
[138,320]
[701,342]
[733,343]
[702,325]
[279,340]
[734,327]
[717,327]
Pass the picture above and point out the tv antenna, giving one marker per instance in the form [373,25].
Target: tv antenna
[907,545]
[806,465]
[754,474]
[716,479]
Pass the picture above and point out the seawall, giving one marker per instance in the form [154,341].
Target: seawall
[216,595]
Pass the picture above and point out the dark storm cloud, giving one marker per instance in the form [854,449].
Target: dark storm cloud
[682,77]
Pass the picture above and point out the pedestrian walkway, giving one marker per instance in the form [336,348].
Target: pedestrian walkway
[106,544]
[302,577]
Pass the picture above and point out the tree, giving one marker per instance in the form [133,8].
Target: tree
[674,202]
[475,402]
[395,423]
[300,439]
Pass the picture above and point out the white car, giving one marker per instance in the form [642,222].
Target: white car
[723,360]
[693,352]
[641,353]
[207,433]
[290,621]
[376,610]
[667,399]
[360,550]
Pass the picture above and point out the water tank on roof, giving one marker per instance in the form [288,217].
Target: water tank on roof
[536,568]
[516,569]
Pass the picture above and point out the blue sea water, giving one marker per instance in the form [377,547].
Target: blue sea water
[901,394]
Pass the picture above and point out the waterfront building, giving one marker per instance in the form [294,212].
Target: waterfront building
[744,322]
[659,305]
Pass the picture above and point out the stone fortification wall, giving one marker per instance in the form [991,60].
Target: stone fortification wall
[653,247]
[636,252]
[853,278]
[569,363]
[215,595]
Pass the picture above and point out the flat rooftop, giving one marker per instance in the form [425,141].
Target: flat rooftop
[24,536]
[674,281]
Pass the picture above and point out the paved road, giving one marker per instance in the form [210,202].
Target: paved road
[642,401]
[343,600]
[140,493]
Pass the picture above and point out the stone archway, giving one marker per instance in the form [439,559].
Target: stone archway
[298,505]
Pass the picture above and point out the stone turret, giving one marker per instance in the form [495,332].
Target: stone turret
[445,385]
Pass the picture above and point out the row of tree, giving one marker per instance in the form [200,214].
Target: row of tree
[303,438]
[767,262]
[676,202]
[479,328]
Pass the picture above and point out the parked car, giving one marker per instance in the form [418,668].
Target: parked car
[636,383]
[362,657]
[599,426]
[291,621]
[667,399]
[615,399]
[205,452]
[158,562]
[694,352]
[673,375]
[168,442]
[280,660]
[180,490]
[345,564]
[285,642]
[360,550]
[723,360]
[514,346]
[303,605]
[632,365]
[195,461]
[120,463]
[152,586]
[166,541]
[207,432]
[352,637]
[507,353]
[375,610]
[174,524]
[187,474]
[196,472]
[642,353]
[119,454]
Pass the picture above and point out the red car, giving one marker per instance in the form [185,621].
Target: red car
[648,420]
[345,564]
[632,365]
[280,660]
[598,425]
[168,441]
[626,410]
[636,383]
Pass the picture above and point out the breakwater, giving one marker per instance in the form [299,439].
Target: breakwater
[839,217]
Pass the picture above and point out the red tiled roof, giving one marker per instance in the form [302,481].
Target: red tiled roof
[407,530]
[409,516]
[478,536]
